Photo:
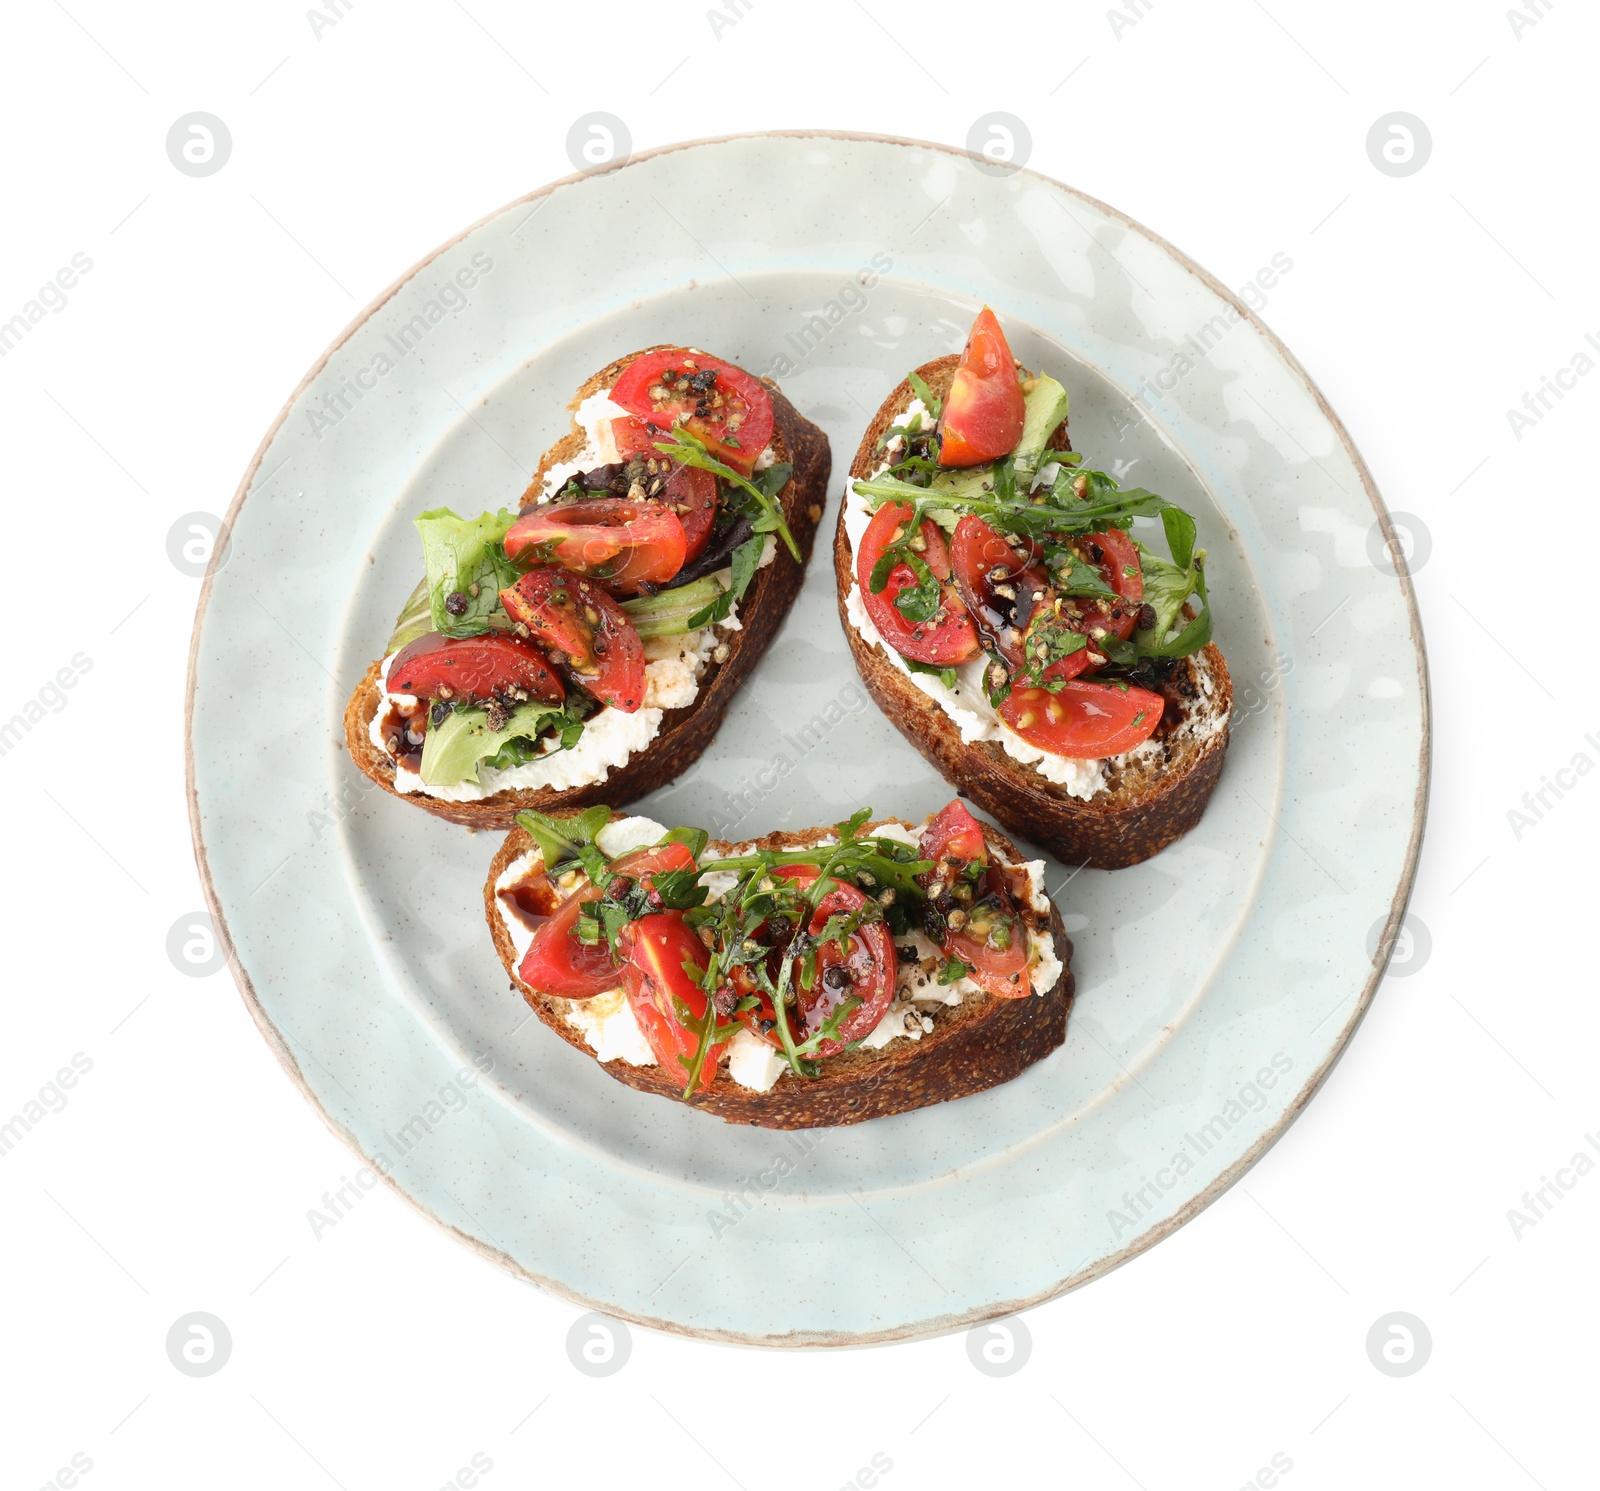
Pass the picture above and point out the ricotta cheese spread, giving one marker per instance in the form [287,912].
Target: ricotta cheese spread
[606,1021]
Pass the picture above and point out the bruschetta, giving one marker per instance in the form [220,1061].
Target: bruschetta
[1055,667]
[802,980]
[586,646]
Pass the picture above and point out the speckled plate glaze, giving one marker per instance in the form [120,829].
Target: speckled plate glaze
[1217,983]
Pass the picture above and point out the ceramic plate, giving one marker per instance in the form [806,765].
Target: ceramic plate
[1216,984]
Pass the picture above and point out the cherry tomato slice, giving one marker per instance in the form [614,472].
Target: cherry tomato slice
[556,962]
[721,404]
[586,632]
[983,412]
[953,840]
[657,947]
[688,492]
[1001,586]
[626,544]
[948,636]
[1086,720]
[1001,970]
[867,969]
[992,940]
[1118,563]
[472,668]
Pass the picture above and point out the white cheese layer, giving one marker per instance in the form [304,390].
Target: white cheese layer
[607,1023]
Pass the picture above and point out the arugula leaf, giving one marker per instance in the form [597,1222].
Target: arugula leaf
[560,839]
[1179,528]
[693,839]
[1167,586]
[466,558]
[931,400]
[1049,510]
[1076,578]
[1005,480]
[946,676]
[921,601]
[851,827]
[679,889]
[1196,634]
[683,445]
[746,561]
[1058,640]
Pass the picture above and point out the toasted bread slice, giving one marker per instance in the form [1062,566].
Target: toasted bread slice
[1150,797]
[975,1045]
[684,733]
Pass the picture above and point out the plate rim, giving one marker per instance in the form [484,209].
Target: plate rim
[935,1326]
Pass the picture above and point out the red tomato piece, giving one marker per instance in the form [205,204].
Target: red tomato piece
[1001,586]
[556,962]
[953,840]
[473,668]
[586,632]
[721,404]
[983,412]
[992,941]
[867,969]
[626,544]
[1086,720]
[999,970]
[657,948]
[688,491]
[947,637]
[1119,568]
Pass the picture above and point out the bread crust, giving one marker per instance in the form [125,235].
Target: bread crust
[684,733]
[1122,825]
[976,1045]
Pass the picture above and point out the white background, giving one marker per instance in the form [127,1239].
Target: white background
[178,1175]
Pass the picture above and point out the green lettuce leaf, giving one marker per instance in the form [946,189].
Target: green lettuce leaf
[453,750]
[463,555]
[415,620]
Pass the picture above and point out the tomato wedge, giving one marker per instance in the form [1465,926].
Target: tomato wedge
[964,886]
[657,947]
[688,491]
[1117,558]
[1085,720]
[472,668]
[626,544]
[945,638]
[1002,587]
[866,969]
[984,412]
[586,632]
[721,404]
[953,840]
[556,962]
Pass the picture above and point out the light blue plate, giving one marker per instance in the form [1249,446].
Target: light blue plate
[1216,984]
